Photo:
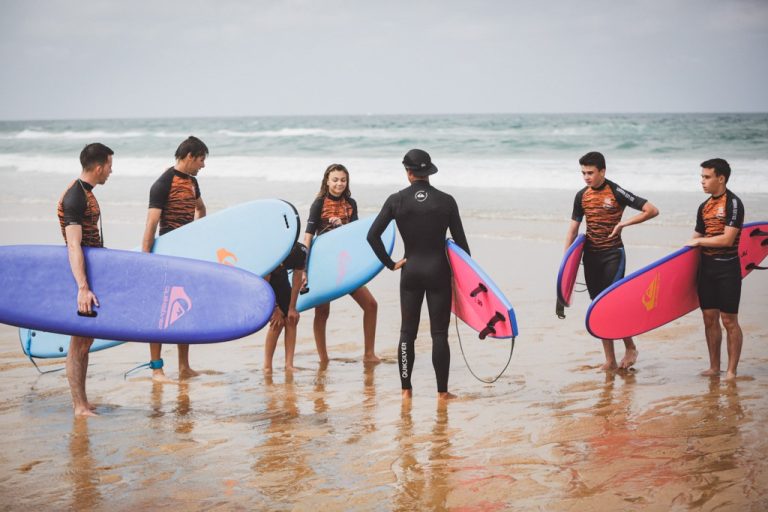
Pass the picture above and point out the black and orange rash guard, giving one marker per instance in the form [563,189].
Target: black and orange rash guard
[323,208]
[603,207]
[176,193]
[78,206]
[714,215]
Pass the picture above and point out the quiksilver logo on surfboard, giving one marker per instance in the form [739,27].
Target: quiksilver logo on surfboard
[651,295]
[176,303]
[225,257]
[421,196]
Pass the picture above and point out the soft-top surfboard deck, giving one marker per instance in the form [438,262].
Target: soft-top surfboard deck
[477,301]
[664,290]
[255,236]
[569,269]
[341,261]
[142,297]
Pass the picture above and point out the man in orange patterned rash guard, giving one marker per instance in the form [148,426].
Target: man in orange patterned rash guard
[718,229]
[174,201]
[602,202]
[79,216]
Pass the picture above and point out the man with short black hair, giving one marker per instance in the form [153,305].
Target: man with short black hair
[718,228]
[174,201]
[79,217]
[602,202]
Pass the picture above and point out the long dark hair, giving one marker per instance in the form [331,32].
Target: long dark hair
[324,183]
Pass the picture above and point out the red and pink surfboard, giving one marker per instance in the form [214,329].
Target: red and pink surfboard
[664,290]
[477,301]
[569,269]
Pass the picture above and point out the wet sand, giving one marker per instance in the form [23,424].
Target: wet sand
[554,433]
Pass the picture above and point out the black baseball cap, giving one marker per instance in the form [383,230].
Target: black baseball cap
[419,163]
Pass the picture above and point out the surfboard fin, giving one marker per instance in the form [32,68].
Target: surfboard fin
[490,329]
[752,266]
[560,310]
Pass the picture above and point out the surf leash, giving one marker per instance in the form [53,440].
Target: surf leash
[461,346]
[152,365]
[31,360]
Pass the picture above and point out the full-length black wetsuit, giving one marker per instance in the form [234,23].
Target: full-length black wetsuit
[423,214]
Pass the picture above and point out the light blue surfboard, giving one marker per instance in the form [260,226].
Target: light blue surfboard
[255,236]
[341,261]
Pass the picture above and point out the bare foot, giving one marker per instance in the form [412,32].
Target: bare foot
[267,370]
[91,406]
[84,411]
[712,372]
[371,359]
[291,368]
[187,373]
[630,358]
[445,396]
[160,377]
[730,375]
[407,394]
[609,366]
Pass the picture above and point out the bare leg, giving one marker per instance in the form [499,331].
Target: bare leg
[270,344]
[735,339]
[158,375]
[185,372]
[290,346]
[407,394]
[610,356]
[714,335]
[630,354]
[77,368]
[370,308]
[318,326]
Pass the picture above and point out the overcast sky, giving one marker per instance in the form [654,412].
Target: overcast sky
[97,59]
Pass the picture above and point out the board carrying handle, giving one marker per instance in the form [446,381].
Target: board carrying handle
[91,314]
[758,232]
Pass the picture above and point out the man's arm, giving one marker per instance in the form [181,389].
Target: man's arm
[199,208]
[648,212]
[573,230]
[85,297]
[725,240]
[153,219]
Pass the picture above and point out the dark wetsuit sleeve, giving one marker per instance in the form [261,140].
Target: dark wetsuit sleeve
[297,259]
[456,227]
[627,198]
[734,212]
[353,203]
[700,227]
[158,194]
[313,221]
[74,204]
[381,222]
[578,208]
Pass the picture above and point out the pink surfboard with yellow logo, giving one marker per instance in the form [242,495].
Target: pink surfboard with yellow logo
[664,290]
[142,297]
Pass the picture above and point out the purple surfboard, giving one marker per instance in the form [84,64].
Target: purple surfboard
[142,297]
[664,290]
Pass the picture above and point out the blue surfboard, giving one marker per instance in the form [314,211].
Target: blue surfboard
[341,261]
[142,297]
[255,236]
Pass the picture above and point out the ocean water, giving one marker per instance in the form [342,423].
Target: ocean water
[644,152]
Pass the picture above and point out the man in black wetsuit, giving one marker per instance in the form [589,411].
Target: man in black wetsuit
[423,214]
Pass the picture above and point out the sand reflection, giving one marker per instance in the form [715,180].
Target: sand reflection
[82,468]
[423,484]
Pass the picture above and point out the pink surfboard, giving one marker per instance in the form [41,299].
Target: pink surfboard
[477,301]
[664,290]
[569,268]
